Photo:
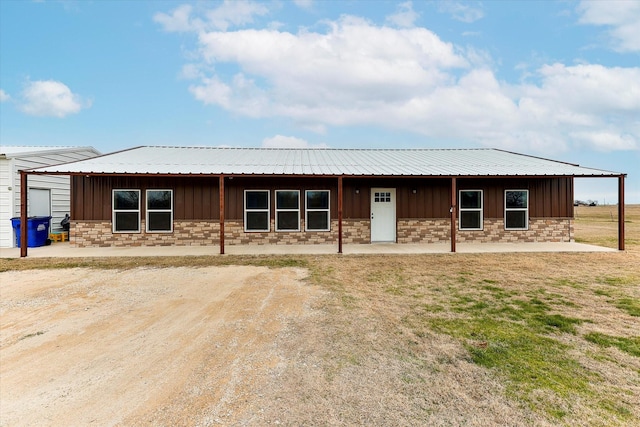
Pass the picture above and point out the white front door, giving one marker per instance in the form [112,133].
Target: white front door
[383,215]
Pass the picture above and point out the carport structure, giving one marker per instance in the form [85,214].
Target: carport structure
[205,196]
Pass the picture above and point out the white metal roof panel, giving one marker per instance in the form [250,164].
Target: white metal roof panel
[13,151]
[327,162]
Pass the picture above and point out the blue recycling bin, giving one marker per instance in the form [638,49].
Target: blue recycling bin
[37,230]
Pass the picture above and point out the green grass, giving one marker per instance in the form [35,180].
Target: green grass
[628,345]
[515,335]
[516,344]
[631,306]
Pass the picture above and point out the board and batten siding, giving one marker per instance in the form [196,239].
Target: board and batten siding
[58,185]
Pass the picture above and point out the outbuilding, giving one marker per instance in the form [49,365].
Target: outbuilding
[48,195]
[149,196]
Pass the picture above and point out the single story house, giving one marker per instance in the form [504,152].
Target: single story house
[148,196]
[48,195]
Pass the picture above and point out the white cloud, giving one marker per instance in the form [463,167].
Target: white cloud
[228,14]
[354,60]
[405,17]
[606,140]
[4,96]
[50,98]
[357,73]
[621,17]
[281,141]
[179,20]
[464,12]
[305,4]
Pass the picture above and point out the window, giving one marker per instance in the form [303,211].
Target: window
[256,210]
[470,210]
[287,210]
[382,197]
[317,210]
[516,209]
[126,211]
[160,210]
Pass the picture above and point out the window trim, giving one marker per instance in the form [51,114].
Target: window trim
[277,210]
[307,210]
[267,210]
[115,211]
[480,209]
[525,210]
[148,210]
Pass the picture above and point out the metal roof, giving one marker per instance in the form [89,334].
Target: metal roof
[321,162]
[13,151]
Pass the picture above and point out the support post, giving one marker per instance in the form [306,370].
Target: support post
[621,212]
[23,214]
[454,209]
[339,214]
[221,186]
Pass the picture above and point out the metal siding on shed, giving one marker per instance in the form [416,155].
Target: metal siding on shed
[16,158]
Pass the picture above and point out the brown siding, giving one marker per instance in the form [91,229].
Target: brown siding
[431,199]
[234,192]
[193,198]
[197,198]
[548,197]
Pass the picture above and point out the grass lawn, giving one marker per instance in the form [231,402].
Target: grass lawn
[459,339]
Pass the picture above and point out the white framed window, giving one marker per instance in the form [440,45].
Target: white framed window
[125,211]
[470,210]
[516,209]
[256,210]
[287,210]
[317,210]
[159,211]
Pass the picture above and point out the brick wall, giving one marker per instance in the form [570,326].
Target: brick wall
[185,233]
[540,230]
[234,234]
[424,231]
[206,233]
[439,230]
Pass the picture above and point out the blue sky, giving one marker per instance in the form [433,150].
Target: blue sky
[556,79]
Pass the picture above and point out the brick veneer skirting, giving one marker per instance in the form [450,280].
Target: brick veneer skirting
[206,233]
[540,230]
[185,233]
[439,230]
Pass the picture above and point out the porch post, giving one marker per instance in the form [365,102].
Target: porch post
[621,212]
[340,214]
[454,209]
[23,214]
[221,180]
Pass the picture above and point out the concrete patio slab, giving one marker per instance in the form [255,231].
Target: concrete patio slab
[65,250]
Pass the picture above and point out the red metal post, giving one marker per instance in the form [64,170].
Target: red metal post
[621,212]
[23,214]
[339,214]
[221,214]
[454,209]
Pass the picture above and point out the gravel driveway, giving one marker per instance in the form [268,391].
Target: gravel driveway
[166,346]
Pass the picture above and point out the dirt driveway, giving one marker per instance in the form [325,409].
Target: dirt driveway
[168,346]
